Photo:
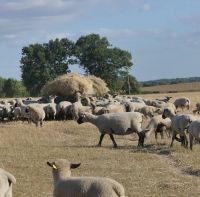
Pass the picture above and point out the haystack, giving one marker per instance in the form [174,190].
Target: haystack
[66,85]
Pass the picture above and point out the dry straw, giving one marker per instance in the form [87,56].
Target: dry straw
[66,85]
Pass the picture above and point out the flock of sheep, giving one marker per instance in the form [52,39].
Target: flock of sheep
[112,115]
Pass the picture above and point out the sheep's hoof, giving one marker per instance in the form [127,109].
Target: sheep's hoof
[115,146]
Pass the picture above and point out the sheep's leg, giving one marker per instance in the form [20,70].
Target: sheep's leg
[41,123]
[113,140]
[101,138]
[161,134]
[156,135]
[191,141]
[185,141]
[173,138]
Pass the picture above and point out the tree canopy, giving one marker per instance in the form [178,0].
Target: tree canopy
[43,62]
[97,57]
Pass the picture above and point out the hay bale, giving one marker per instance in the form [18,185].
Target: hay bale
[67,85]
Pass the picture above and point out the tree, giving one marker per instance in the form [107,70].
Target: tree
[130,85]
[43,62]
[97,57]
[14,88]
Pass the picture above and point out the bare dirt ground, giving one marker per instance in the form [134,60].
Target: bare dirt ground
[155,170]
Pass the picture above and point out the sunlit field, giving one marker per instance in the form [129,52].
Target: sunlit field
[155,170]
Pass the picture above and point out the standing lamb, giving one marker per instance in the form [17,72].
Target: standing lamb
[182,103]
[194,132]
[67,186]
[6,182]
[123,123]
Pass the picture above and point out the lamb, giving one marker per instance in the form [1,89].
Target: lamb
[155,125]
[194,132]
[179,124]
[6,182]
[182,103]
[36,114]
[197,110]
[65,185]
[123,123]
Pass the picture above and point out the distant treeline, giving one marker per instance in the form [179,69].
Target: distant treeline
[12,88]
[169,81]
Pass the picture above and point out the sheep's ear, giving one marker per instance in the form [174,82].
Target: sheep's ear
[74,165]
[52,165]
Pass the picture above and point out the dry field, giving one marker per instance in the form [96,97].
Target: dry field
[180,87]
[154,171]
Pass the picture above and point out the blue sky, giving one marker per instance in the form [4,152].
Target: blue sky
[162,36]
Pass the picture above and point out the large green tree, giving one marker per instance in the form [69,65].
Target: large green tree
[97,57]
[43,62]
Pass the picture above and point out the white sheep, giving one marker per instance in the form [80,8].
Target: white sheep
[123,123]
[182,103]
[65,185]
[194,132]
[179,125]
[6,182]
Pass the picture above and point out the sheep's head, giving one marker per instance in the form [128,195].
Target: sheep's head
[61,168]
[81,118]
[167,113]
[59,164]
[141,136]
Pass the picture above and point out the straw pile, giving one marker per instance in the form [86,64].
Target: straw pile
[66,86]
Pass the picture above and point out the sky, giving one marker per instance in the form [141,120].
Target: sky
[163,36]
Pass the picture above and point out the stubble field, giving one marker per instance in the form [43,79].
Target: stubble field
[155,170]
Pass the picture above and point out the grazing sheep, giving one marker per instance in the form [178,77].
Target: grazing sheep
[133,106]
[179,124]
[154,123]
[197,110]
[149,111]
[6,182]
[166,99]
[182,103]
[194,132]
[123,123]
[161,128]
[67,186]
[62,109]
[36,114]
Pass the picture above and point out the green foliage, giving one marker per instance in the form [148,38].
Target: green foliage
[98,58]
[12,88]
[43,62]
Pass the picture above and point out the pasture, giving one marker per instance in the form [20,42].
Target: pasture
[155,170]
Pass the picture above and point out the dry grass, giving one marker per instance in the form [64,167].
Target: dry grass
[180,87]
[155,170]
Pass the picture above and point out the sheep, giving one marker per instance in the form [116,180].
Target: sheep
[179,124]
[114,108]
[155,125]
[122,123]
[62,109]
[161,128]
[197,110]
[36,114]
[65,185]
[194,132]
[6,182]
[182,103]
[133,106]
[166,99]
[149,111]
